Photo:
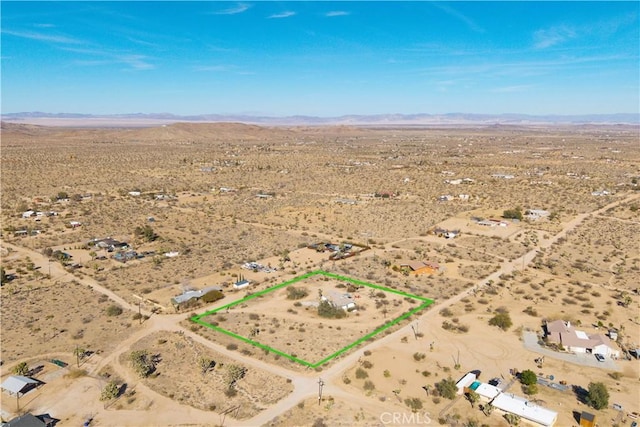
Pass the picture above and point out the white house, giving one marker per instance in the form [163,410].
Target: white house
[575,341]
[535,214]
[466,381]
[487,392]
[340,300]
[241,284]
[28,214]
[520,406]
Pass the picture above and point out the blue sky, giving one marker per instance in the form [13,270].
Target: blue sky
[321,58]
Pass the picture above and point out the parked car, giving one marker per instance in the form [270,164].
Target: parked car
[599,357]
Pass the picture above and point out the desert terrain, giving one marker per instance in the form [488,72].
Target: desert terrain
[195,203]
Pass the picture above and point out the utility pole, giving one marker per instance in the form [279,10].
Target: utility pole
[320,385]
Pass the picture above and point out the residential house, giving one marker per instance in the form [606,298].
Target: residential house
[241,284]
[535,214]
[528,410]
[28,214]
[197,294]
[421,267]
[487,392]
[466,381]
[30,420]
[340,300]
[576,341]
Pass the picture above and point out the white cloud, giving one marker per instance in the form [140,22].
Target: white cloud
[553,36]
[31,35]
[241,7]
[282,15]
[470,23]
[136,62]
[336,13]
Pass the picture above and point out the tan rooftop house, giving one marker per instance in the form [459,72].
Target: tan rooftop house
[575,341]
[421,267]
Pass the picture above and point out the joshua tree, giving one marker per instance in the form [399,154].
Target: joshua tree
[79,354]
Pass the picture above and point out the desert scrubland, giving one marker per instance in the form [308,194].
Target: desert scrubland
[197,201]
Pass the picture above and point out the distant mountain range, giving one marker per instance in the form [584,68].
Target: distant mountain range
[140,119]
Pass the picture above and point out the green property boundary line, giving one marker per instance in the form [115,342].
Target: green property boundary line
[198,318]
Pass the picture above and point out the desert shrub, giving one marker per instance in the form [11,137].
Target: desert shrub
[447,388]
[110,391]
[501,320]
[446,312]
[615,375]
[232,346]
[325,309]
[114,310]
[515,213]
[419,356]
[368,385]
[146,233]
[367,365]
[414,403]
[212,296]
[361,374]
[296,293]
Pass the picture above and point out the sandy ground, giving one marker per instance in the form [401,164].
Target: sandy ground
[484,269]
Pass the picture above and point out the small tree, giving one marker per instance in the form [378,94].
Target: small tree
[21,368]
[325,309]
[528,377]
[501,320]
[79,352]
[146,233]
[512,419]
[234,374]
[515,213]
[473,398]
[447,388]
[110,391]
[206,364]
[212,296]
[142,363]
[531,389]
[598,396]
